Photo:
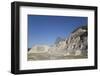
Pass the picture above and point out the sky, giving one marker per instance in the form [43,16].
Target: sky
[44,29]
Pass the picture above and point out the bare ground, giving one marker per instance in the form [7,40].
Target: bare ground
[46,56]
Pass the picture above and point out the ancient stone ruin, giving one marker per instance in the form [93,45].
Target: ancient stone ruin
[73,47]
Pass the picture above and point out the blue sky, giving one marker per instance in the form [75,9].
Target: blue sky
[43,29]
